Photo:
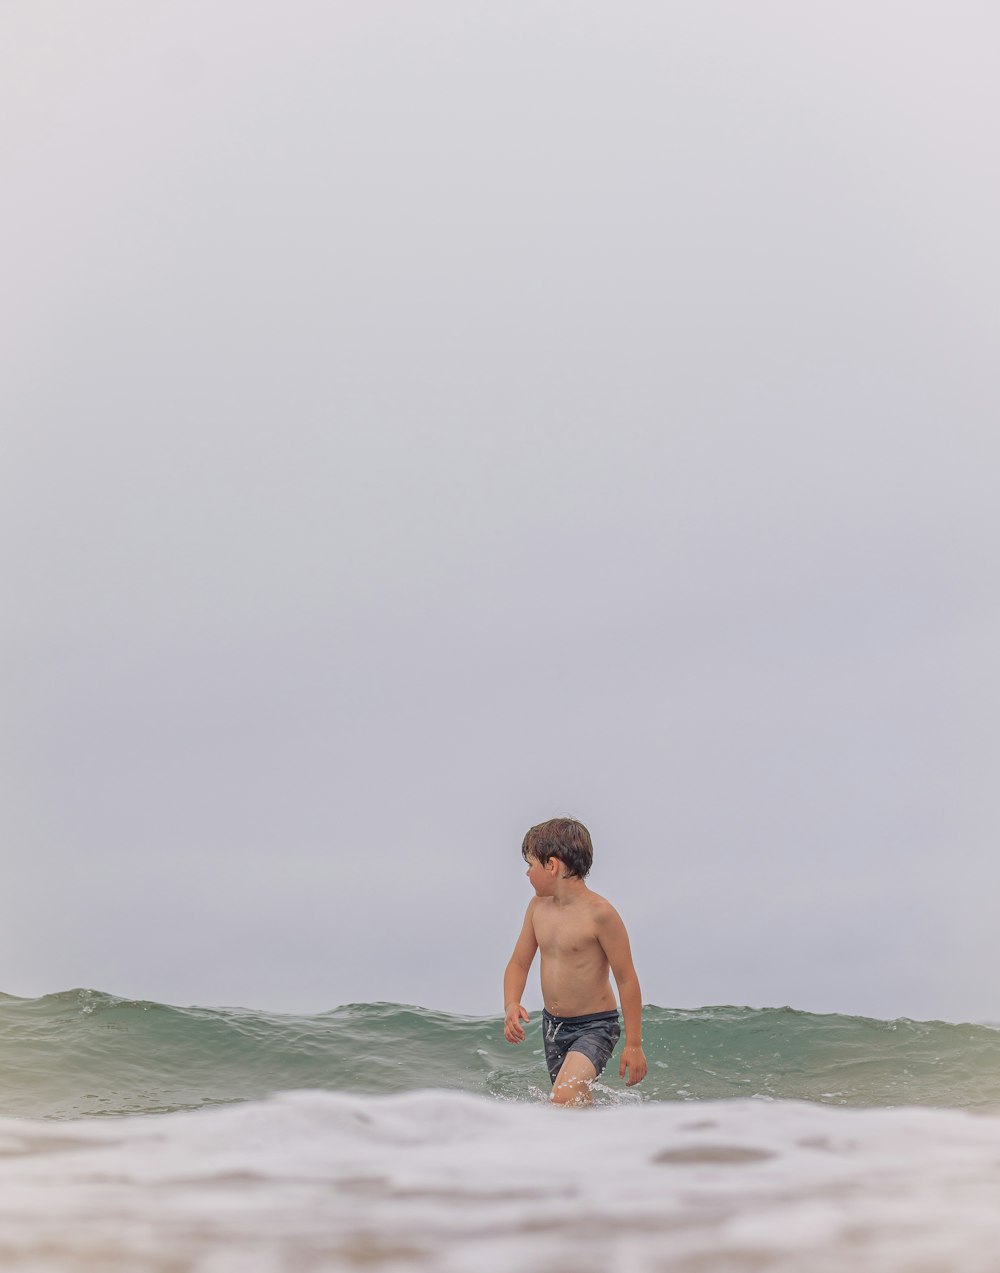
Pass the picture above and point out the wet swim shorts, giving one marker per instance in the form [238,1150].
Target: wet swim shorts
[595,1036]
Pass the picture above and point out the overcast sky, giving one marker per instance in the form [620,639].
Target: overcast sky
[421,419]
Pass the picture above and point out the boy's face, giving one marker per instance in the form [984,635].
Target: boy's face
[539,877]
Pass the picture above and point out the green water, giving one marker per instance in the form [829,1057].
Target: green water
[84,1052]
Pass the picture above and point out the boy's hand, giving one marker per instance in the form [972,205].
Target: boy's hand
[633,1060]
[513,1031]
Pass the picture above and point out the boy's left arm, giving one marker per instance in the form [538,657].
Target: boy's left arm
[614,939]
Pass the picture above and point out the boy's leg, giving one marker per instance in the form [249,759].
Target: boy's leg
[572,1085]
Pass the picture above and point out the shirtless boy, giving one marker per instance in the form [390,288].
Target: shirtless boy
[582,939]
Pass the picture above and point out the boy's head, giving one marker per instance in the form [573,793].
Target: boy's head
[562,838]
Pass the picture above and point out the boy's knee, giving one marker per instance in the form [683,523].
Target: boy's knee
[574,1082]
[571,1092]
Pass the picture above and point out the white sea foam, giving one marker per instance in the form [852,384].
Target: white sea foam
[453,1183]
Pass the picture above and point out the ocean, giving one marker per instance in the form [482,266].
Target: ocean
[140,1136]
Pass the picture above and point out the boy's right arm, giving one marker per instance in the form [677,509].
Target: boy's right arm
[516,976]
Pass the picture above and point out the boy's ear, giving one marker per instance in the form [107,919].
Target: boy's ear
[555,863]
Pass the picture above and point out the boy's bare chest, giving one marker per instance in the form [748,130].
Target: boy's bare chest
[564,934]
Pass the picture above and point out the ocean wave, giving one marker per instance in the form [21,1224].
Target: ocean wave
[85,1052]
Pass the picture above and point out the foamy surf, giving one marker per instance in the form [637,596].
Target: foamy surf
[454,1182]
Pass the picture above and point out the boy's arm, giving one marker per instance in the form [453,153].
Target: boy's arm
[614,939]
[515,977]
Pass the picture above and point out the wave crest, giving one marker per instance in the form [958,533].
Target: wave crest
[83,1051]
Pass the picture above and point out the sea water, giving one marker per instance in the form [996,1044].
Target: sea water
[137,1136]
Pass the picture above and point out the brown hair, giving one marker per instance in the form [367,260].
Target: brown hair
[562,838]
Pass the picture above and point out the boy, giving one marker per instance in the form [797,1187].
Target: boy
[581,936]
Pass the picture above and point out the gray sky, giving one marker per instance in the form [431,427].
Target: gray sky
[420,419]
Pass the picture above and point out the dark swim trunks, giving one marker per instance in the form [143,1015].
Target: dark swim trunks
[595,1036]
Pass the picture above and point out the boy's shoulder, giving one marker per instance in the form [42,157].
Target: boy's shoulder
[600,907]
[594,905]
